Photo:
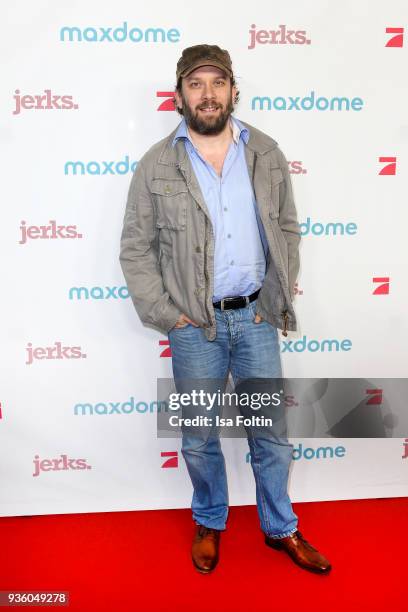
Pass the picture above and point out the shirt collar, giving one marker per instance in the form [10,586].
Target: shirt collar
[237,130]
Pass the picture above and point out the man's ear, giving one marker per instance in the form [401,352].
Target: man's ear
[177,97]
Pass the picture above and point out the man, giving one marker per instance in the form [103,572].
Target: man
[209,251]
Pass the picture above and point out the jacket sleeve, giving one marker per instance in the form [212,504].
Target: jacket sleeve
[288,222]
[139,257]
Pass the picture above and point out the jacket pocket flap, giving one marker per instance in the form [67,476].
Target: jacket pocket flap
[168,187]
[276,176]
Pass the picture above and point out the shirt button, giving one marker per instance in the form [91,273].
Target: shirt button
[225,208]
[232,262]
[228,235]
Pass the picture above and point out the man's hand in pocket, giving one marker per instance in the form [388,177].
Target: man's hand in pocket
[258,318]
[183,320]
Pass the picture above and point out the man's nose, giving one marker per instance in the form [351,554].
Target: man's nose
[208,91]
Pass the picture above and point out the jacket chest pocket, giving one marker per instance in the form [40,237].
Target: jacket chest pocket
[171,197]
[276,182]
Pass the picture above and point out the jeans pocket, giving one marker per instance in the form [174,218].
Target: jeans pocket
[252,309]
[182,326]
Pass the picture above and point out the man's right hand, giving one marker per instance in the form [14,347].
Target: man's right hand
[183,320]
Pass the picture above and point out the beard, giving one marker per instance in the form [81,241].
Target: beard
[210,124]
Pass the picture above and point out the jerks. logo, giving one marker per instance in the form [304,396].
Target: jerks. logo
[398,39]
[172,462]
[277,37]
[384,287]
[47,232]
[405,445]
[53,352]
[47,102]
[295,167]
[56,465]
[390,169]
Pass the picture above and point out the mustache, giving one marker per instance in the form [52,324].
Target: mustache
[202,106]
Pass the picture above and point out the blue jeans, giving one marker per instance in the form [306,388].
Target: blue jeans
[247,349]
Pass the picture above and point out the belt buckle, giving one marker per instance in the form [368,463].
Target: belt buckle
[235,298]
[225,299]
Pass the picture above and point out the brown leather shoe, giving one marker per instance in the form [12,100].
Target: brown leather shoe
[302,553]
[205,549]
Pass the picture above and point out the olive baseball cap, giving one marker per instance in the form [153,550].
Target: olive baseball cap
[203,55]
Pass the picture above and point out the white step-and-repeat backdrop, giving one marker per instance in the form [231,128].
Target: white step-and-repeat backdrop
[86,89]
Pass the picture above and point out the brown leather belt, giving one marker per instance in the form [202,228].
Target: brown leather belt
[239,301]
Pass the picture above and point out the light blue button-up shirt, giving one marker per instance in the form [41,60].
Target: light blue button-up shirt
[240,242]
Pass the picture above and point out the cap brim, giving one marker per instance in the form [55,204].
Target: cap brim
[200,63]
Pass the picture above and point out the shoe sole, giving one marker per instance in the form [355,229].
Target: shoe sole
[202,570]
[315,570]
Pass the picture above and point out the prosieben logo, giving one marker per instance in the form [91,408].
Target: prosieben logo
[395,38]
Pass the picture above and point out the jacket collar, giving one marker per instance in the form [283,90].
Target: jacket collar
[236,127]
[258,142]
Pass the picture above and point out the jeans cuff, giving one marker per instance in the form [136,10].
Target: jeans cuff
[282,535]
[218,528]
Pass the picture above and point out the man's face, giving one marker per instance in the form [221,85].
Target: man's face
[206,99]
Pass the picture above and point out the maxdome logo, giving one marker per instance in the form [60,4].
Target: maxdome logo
[319,452]
[98,293]
[121,34]
[333,228]
[307,103]
[100,168]
[131,406]
[327,345]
